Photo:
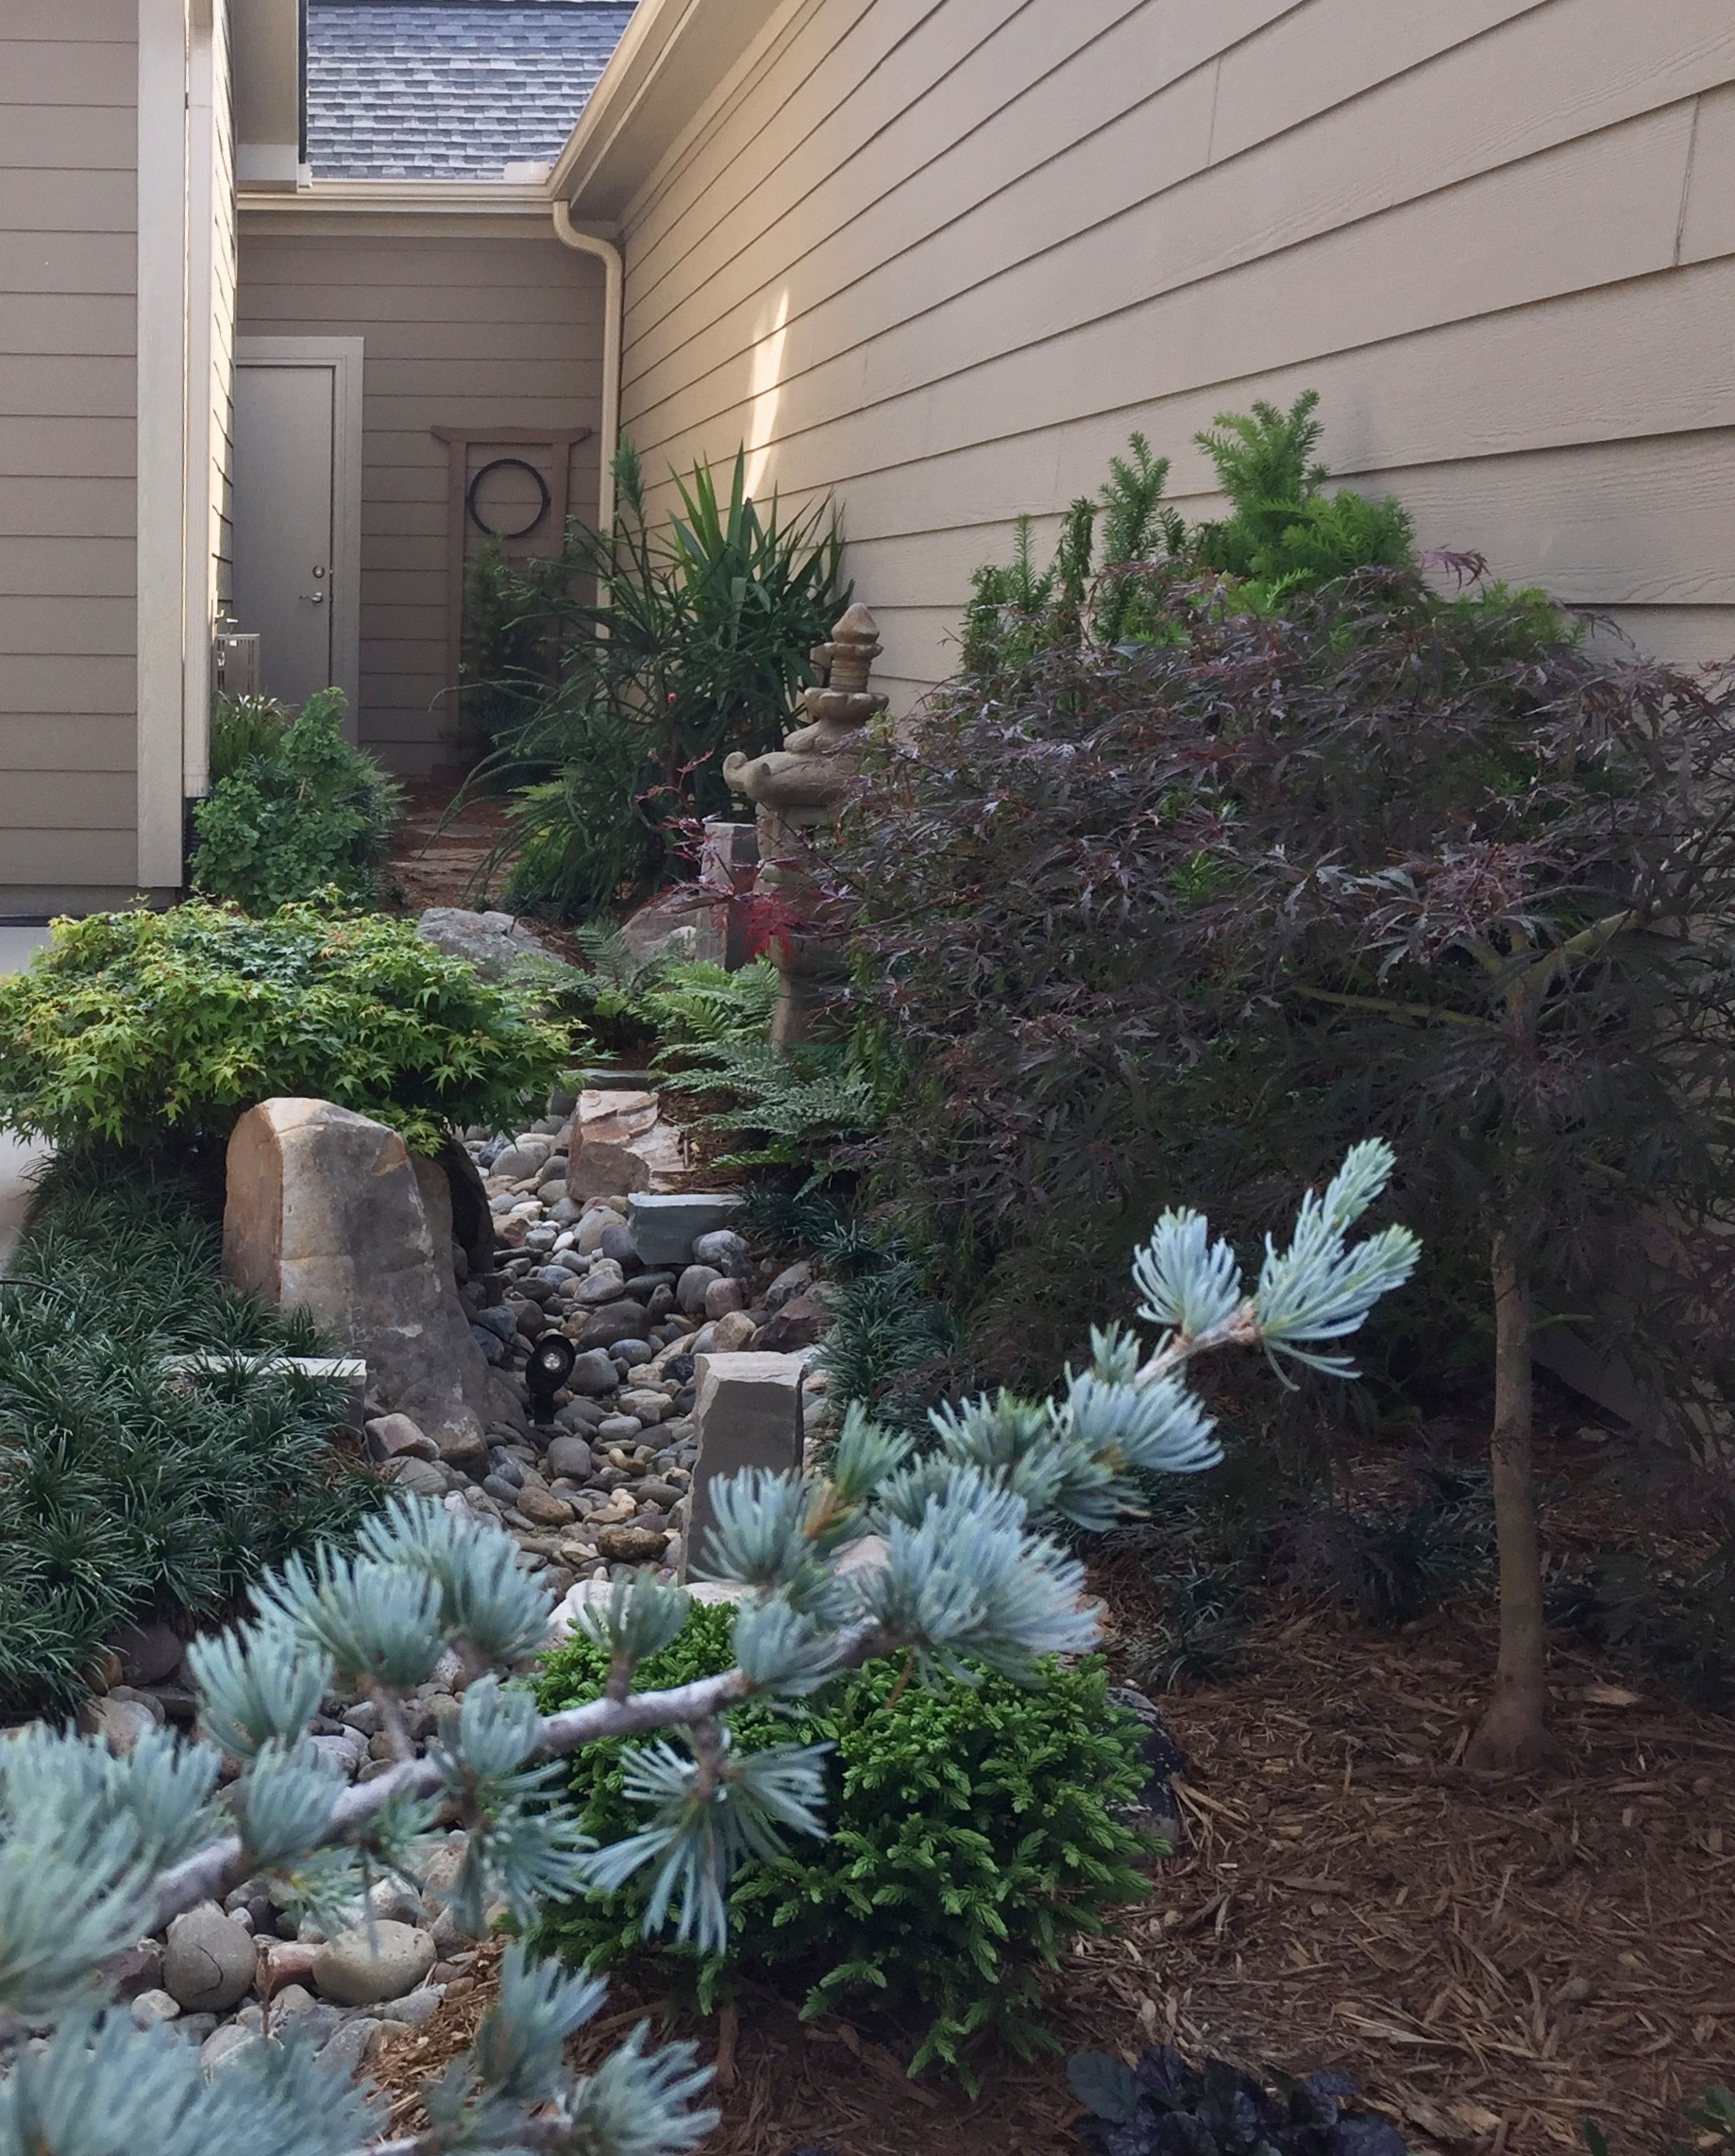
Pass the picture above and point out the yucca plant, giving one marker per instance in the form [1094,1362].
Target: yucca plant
[672,645]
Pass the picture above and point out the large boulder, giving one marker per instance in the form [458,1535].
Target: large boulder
[327,1212]
[620,1143]
[490,941]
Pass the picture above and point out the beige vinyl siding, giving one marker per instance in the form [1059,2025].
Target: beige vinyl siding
[68,339]
[940,258]
[459,332]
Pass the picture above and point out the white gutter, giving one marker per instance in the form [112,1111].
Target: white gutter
[613,286]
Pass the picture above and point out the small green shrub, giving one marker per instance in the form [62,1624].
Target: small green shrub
[973,1833]
[294,807]
[126,1492]
[138,1027]
[1284,534]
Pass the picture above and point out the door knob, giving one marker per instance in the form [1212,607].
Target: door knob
[314,598]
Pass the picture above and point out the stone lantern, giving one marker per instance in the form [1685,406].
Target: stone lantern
[798,790]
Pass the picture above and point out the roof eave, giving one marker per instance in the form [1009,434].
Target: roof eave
[672,57]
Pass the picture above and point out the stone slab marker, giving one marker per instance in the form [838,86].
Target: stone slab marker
[665,1225]
[747,1412]
[327,1212]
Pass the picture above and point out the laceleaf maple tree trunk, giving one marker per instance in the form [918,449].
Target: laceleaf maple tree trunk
[1513,1735]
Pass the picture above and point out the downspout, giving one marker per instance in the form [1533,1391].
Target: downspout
[612,301]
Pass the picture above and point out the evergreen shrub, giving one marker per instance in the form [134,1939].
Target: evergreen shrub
[127,1492]
[293,807]
[973,1833]
[136,1028]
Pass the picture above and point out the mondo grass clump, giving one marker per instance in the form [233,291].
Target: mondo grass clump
[129,1491]
[974,1830]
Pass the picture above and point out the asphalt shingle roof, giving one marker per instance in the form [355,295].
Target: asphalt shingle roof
[449,88]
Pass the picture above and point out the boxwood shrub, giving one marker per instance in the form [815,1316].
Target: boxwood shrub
[133,1028]
[974,1832]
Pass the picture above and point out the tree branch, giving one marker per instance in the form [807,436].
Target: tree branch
[1427,1013]
[213,1871]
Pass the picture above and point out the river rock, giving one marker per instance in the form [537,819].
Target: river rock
[327,1213]
[148,1653]
[225,2043]
[120,1723]
[614,1322]
[723,1296]
[732,1333]
[521,1160]
[571,1457]
[721,1247]
[542,1508]
[594,1373]
[604,1283]
[367,1965]
[631,1545]
[692,1287]
[593,1227]
[209,1960]
[149,2008]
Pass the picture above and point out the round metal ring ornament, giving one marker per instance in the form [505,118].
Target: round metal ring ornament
[506,465]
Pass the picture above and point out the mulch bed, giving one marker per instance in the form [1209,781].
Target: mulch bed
[1493,1962]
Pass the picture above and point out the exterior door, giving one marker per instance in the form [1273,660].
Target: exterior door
[296,509]
[283,434]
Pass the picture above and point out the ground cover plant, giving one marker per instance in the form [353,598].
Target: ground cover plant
[97,1850]
[973,1834]
[667,647]
[142,1029]
[1336,850]
[293,808]
[128,1492]
[1164,2104]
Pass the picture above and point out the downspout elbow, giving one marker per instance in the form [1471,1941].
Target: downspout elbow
[613,288]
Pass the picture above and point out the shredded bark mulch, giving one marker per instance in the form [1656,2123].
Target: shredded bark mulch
[1493,1962]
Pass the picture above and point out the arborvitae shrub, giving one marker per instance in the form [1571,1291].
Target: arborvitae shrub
[974,1833]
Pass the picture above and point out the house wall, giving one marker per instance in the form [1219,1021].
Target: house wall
[942,255]
[460,330]
[68,331]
